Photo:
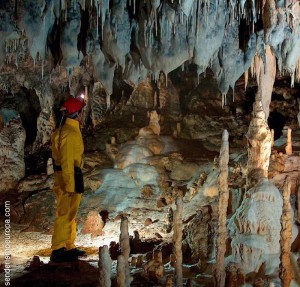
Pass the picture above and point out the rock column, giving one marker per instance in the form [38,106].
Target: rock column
[259,141]
[104,267]
[125,247]
[219,272]
[286,271]
[121,271]
[265,75]
[177,241]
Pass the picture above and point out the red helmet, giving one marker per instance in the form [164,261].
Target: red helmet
[73,105]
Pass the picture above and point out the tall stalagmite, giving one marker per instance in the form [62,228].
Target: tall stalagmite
[219,272]
[259,140]
[125,247]
[104,267]
[121,271]
[177,241]
[286,271]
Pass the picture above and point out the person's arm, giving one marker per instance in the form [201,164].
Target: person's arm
[67,163]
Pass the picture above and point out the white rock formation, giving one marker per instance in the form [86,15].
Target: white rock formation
[146,144]
[12,166]
[255,226]
[265,75]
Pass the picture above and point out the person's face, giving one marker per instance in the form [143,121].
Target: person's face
[80,117]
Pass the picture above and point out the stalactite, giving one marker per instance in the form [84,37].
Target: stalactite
[288,147]
[219,272]
[246,76]
[286,271]
[104,267]
[107,102]
[266,79]
[177,240]
[292,79]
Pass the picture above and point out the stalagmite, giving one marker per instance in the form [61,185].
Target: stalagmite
[132,118]
[298,200]
[285,267]
[178,128]
[121,271]
[155,267]
[177,241]
[104,267]
[50,166]
[113,140]
[298,116]
[169,281]
[125,247]
[288,147]
[272,137]
[259,140]
[219,272]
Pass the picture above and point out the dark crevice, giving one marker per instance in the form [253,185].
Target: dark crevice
[276,122]
[27,104]
[82,36]
[53,42]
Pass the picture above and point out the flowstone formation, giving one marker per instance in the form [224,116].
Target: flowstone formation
[255,226]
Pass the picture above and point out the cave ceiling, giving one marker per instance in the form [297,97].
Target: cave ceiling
[147,37]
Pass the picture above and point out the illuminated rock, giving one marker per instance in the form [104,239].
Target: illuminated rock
[12,166]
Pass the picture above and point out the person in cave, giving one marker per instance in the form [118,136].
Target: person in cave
[67,152]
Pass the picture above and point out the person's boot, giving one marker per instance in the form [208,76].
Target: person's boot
[62,255]
[77,252]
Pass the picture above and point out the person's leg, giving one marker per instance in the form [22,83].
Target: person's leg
[62,225]
[74,206]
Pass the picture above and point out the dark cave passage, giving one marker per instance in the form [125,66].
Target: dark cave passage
[276,122]
[27,104]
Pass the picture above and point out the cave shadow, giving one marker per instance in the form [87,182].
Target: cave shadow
[67,274]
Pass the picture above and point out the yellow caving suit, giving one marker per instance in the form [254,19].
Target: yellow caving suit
[67,151]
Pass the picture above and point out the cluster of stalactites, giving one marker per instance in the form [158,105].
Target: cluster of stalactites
[163,27]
